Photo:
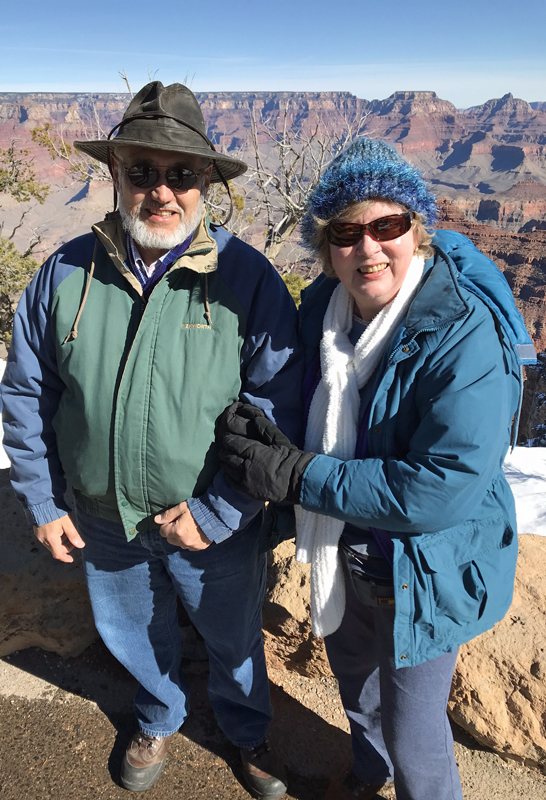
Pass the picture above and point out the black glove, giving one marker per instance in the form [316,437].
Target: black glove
[257,458]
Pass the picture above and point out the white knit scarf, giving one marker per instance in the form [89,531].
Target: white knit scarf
[332,429]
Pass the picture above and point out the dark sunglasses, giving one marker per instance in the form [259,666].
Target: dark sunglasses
[144,176]
[345,234]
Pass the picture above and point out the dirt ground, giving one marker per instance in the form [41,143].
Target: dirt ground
[65,724]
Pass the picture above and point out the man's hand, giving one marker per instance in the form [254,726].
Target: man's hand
[179,528]
[60,537]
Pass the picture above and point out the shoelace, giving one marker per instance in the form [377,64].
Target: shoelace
[259,750]
[149,740]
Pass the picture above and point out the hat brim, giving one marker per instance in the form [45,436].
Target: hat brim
[229,167]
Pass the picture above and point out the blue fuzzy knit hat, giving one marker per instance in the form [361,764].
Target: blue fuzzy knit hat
[366,169]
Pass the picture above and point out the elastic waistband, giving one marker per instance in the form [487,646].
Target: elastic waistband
[96,508]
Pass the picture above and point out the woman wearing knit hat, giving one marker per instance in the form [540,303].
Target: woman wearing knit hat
[414,350]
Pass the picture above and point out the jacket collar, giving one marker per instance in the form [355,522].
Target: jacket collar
[438,301]
[201,256]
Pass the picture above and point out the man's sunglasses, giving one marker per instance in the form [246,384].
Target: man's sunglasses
[144,176]
[345,234]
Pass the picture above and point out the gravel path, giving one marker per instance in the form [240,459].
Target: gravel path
[66,724]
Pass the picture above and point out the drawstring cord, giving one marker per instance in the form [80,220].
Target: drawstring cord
[517,415]
[74,332]
[207,304]
[226,185]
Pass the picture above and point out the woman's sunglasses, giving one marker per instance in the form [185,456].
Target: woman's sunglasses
[345,234]
[144,176]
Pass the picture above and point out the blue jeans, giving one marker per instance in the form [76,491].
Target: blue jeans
[398,718]
[133,588]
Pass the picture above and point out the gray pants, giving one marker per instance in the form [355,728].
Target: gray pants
[398,719]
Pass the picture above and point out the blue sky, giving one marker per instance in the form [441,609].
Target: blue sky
[468,51]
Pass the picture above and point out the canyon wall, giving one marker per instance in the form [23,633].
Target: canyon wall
[492,157]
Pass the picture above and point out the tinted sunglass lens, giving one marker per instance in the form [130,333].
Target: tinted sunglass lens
[180,179]
[344,234]
[142,176]
[386,228]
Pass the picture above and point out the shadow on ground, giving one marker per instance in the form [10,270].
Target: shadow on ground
[65,748]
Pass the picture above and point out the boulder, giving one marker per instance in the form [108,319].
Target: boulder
[43,602]
[499,688]
[289,642]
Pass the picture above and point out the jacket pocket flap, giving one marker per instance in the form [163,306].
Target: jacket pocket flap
[463,543]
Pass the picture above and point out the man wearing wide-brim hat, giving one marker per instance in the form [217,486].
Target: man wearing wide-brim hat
[127,345]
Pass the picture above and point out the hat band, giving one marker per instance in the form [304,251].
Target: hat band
[164,116]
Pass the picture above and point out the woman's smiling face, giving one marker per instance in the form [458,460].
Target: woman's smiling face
[373,272]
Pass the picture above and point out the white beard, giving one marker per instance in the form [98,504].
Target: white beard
[159,240]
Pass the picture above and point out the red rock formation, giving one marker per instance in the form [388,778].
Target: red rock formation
[520,256]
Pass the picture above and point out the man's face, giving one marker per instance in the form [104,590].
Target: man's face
[158,218]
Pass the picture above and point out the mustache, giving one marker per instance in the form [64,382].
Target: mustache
[159,207]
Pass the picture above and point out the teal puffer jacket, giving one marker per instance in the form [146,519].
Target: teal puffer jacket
[440,423]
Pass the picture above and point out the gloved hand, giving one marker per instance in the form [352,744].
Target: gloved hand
[256,457]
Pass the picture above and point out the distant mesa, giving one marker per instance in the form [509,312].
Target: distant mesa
[412,103]
[507,106]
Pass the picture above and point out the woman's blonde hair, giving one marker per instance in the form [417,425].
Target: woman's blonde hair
[321,245]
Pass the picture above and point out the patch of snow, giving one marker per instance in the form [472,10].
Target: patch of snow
[525,470]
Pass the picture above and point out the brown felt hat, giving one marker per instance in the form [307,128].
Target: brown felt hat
[165,118]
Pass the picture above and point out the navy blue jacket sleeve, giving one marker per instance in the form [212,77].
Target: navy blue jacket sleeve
[30,393]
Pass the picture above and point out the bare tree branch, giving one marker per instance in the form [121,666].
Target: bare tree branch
[19,224]
[125,78]
[289,159]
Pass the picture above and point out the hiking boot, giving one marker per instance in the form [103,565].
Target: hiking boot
[349,787]
[265,776]
[144,761]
